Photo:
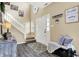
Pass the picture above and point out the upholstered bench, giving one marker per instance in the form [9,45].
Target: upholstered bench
[63,45]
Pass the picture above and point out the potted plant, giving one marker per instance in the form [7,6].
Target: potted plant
[2,11]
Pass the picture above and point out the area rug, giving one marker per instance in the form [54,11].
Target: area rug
[37,47]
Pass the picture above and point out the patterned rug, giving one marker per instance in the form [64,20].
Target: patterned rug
[37,47]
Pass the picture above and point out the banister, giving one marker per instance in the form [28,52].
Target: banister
[16,23]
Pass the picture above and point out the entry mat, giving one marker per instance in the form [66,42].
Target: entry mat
[37,47]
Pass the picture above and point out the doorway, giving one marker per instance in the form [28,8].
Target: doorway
[43,29]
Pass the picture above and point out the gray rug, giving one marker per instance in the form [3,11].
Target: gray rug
[37,47]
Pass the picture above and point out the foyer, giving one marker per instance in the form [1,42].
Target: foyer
[39,29]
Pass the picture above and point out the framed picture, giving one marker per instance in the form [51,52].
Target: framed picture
[35,9]
[7,3]
[71,15]
[21,13]
[14,7]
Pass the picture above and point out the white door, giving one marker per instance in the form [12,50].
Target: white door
[42,34]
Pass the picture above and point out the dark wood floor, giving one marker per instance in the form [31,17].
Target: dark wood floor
[24,51]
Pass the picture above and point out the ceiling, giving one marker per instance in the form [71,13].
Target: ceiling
[40,4]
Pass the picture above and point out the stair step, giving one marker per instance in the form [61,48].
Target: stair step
[30,40]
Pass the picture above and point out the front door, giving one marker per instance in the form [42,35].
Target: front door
[42,33]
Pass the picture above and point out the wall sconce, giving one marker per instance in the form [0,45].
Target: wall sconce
[56,17]
[57,21]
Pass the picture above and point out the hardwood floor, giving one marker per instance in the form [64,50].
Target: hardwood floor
[24,51]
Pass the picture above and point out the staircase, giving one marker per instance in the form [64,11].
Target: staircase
[20,27]
[30,37]
[16,23]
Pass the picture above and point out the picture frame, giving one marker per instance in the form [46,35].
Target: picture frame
[14,7]
[35,9]
[7,3]
[71,15]
[21,13]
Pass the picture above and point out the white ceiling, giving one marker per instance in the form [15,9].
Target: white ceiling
[37,5]
[40,4]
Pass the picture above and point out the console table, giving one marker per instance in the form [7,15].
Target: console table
[8,48]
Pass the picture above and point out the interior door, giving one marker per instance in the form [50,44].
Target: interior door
[41,30]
